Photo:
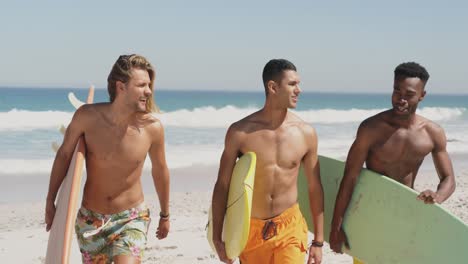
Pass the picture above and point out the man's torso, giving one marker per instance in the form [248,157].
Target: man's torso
[398,152]
[114,161]
[279,153]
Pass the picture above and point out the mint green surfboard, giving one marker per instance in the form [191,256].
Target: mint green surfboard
[385,223]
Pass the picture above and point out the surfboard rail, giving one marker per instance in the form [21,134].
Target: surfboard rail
[60,237]
[239,205]
[385,223]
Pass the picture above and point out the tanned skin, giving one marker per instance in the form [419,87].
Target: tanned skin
[118,137]
[394,143]
[281,141]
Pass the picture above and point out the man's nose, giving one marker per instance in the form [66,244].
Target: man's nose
[298,90]
[148,91]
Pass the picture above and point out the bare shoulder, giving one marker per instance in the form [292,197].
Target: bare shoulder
[90,112]
[239,129]
[432,127]
[151,124]
[92,109]
[435,131]
[376,120]
[153,128]
[247,123]
[306,128]
[370,129]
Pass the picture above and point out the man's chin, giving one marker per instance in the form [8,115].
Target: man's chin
[399,113]
[292,106]
[140,109]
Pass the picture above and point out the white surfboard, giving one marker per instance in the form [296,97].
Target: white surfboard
[60,236]
[75,101]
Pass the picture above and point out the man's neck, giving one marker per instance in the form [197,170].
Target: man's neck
[120,114]
[404,121]
[273,115]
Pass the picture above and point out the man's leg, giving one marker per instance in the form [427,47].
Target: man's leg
[125,259]
[257,249]
[290,254]
[93,248]
[129,239]
[292,238]
[293,247]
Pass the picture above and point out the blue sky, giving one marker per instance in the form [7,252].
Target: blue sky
[350,46]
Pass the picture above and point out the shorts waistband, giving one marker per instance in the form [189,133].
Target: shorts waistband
[286,216]
[141,207]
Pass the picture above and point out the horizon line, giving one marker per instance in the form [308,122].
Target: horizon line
[224,90]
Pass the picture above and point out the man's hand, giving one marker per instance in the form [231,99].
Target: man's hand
[429,197]
[49,214]
[336,240]
[163,228]
[315,255]
[221,250]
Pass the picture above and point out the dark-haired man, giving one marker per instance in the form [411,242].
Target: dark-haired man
[281,140]
[394,143]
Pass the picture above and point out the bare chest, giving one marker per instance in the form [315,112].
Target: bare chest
[402,147]
[284,149]
[117,147]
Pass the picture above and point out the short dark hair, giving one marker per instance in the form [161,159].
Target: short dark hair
[411,69]
[273,70]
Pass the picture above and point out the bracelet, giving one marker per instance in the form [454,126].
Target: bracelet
[164,216]
[316,244]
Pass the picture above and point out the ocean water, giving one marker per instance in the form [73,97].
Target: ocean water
[196,121]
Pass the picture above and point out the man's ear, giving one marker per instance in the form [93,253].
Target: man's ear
[120,85]
[422,95]
[272,87]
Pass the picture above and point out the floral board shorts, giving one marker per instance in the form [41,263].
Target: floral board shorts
[101,237]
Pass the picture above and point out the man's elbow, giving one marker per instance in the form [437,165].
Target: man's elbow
[63,154]
[453,185]
[316,189]
[221,186]
[160,172]
[449,186]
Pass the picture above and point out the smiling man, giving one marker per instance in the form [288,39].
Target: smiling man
[394,143]
[281,141]
[113,221]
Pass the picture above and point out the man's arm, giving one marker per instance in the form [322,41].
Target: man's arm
[160,174]
[221,189]
[444,169]
[357,155]
[62,162]
[312,173]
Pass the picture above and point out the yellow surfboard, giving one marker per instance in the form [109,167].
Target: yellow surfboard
[239,204]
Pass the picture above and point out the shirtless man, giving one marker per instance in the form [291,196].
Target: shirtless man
[395,143]
[113,221]
[281,141]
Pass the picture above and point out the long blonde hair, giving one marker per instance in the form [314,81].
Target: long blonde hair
[122,71]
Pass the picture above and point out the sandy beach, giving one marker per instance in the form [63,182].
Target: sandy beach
[23,238]
[331,65]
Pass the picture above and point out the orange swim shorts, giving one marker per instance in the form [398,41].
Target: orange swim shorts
[281,239]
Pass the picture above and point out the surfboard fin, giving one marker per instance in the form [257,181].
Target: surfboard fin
[55,146]
[62,129]
[74,101]
[77,103]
